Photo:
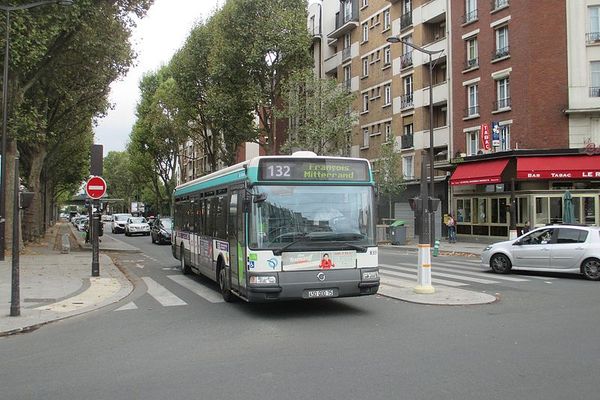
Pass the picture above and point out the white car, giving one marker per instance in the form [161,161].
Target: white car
[119,221]
[137,226]
[554,248]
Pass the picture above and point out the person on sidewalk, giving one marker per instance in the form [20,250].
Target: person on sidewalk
[451,224]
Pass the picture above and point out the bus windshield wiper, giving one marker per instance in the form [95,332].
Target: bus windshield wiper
[280,250]
[356,247]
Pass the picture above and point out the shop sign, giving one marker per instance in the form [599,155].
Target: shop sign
[558,174]
[485,137]
[495,134]
[591,149]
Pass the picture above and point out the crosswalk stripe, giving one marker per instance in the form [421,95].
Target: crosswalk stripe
[128,306]
[161,294]
[197,288]
[413,277]
[469,271]
[459,265]
[435,273]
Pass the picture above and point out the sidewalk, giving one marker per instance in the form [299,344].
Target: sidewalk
[55,286]
[466,249]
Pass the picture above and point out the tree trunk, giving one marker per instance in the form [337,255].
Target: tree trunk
[33,224]
[9,192]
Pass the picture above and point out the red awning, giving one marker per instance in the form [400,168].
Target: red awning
[479,173]
[559,167]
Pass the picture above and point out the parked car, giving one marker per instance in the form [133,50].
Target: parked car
[107,217]
[137,226]
[160,230]
[119,221]
[554,248]
[81,223]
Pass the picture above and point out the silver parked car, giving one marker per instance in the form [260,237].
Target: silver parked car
[554,248]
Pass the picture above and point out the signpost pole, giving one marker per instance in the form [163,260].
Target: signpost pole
[94,231]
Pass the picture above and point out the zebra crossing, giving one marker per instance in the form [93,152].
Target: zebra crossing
[451,273]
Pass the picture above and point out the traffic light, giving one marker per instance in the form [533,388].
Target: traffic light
[433,204]
[416,204]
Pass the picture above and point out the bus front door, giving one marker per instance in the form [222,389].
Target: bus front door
[237,242]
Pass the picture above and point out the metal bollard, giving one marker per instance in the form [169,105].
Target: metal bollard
[66,244]
[436,248]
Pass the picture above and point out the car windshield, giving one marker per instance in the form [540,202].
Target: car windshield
[122,217]
[310,215]
[138,220]
[166,223]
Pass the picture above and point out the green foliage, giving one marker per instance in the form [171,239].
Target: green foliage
[318,110]
[389,179]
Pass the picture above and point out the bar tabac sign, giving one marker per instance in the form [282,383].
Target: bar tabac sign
[486,143]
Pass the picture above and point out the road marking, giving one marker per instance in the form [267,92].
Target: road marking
[161,294]
[453,276]
[458,265]
[471,272]
[197,288]
[413,277]
[128,306]
[139,265]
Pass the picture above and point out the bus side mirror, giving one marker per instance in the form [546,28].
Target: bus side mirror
[259,198]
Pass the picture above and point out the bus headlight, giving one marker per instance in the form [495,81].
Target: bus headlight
[263,279]
[370,275]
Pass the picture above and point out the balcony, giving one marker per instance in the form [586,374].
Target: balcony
[595,92]
[469,17]
[406,21]
[406,60]
[592,37]
[500,53]
[498,4]
[407,141]
[472,63]
[502,104]
[346,53]
[331,64]
[345,20]
[472,112]
[406,101]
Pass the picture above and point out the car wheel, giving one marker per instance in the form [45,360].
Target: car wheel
[500,264]
[591,269]
[152,238]
[185,269]
[225,291]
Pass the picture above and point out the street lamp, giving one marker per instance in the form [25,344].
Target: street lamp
[427,199]
[15,300]
[8,9]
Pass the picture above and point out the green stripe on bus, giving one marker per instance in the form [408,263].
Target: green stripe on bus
[233,177]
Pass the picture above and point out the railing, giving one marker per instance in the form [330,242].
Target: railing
[406,60]
[592,37]
[469,17]
[595,92]
[472,63]
[406,101]
[496,4]
[471,111]
[500,53]
[347,84]
[406,20]
[502,103]
[346,53]
[406,141]
[341,19]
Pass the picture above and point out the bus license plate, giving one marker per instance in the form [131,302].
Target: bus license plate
[313,294]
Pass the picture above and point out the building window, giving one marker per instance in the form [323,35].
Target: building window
[365,67]
[472,54]
[348,76]
[593,34]
[502,49]
[387,20]
[387,56]
[472,100]
[347,10]
[472,143]
[365,32]
[366,136]
[502,94]
[365,102]
[595,79]
[463,210]
[387,94]
[504,138]
[407,98]
[497,4]
[407,167]
[406,6]
[470,11]
[364,3]
[388,131]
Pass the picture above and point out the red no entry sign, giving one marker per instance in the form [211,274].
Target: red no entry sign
[95,187]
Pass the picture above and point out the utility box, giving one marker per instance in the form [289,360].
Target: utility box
[398,232]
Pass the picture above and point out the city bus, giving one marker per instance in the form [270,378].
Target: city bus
[280,228]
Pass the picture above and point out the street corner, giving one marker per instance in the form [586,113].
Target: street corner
[443,296]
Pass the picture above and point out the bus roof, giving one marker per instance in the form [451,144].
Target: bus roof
[302,166]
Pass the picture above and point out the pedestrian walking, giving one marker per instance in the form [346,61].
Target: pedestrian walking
[451,224]
[526,228]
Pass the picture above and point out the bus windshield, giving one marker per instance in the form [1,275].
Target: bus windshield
[297,217]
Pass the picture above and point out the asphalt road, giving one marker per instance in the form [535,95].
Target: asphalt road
[539,341]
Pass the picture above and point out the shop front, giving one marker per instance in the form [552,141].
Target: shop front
[536,186]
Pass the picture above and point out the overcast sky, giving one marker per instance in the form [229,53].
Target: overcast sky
[156,38]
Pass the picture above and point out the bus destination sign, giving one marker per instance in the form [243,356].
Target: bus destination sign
[314,170]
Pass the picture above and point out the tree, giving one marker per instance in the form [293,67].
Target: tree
[389,180]
[318,110]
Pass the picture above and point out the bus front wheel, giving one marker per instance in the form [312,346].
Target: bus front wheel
[224,285]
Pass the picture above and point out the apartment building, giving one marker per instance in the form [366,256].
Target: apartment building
[390,80]
[524,106]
